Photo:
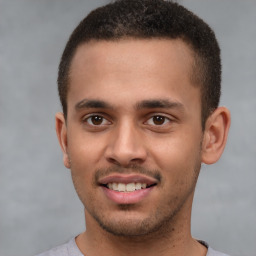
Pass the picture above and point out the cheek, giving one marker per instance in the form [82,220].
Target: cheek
[180,166]
[85,150]
[82,157]
[85,153]
[82,165]
[177,155]
[82,184]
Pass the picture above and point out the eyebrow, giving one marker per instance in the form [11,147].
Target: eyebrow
[159,103]
[145,104]
[86,103]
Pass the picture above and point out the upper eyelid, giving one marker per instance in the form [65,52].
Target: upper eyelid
[89,124]
[111,118]
[85,118]
[168,116]
[88,115]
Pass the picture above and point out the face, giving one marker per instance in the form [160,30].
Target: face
[133,133]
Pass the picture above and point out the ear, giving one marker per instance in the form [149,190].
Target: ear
[215,135]
[61,130]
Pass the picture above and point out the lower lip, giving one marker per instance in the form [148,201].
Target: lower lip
[127,197]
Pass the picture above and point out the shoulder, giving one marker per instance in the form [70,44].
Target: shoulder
[61,250]
[212,252]
[68,249]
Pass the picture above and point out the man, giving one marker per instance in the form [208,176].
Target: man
[139,82]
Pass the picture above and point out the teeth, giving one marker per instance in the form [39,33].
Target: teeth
[114,186]
[138,186]
[130,187]
[121,187]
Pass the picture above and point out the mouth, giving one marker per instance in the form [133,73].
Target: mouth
[127,189]
[130,187]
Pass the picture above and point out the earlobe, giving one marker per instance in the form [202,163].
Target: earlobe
[215,135]
[61,130]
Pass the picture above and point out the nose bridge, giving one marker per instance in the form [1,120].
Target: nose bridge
[126,145]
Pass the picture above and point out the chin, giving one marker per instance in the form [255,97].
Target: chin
[134,225]
[128,228]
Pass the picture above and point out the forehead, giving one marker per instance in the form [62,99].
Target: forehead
[150,53]
[135,68]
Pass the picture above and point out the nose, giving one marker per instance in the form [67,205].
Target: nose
[126,146]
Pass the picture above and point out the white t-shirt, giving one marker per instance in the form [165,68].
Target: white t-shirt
[71,249]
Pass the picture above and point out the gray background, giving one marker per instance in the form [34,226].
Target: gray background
[38,206]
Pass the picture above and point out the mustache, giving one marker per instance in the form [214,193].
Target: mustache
[132,169]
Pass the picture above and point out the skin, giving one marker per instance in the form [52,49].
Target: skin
[148,123]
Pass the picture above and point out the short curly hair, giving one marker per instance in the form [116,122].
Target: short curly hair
[149,19]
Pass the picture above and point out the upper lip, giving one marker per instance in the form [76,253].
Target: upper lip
[127,178]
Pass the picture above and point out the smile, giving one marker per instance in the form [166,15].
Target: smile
[130,187]
[127,188]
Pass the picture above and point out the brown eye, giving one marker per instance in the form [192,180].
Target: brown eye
[159,120]
[96,120]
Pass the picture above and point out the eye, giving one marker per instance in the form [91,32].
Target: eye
[96,120]
[158,120]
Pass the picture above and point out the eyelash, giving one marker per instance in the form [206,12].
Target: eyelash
[87,118]
[161,118]
[103,121]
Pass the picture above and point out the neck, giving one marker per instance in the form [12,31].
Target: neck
[172,239]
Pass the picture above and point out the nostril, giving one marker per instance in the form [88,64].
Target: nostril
[113,161]
[137,161]
[124,155]
[125,163]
